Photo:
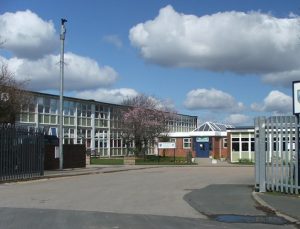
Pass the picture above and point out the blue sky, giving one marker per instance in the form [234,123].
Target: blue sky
[225,61]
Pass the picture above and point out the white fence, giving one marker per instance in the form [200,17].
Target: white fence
[277,154]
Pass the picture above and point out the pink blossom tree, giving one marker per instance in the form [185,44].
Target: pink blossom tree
[143,120]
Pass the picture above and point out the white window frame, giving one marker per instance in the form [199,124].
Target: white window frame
[225,142]
[188,142]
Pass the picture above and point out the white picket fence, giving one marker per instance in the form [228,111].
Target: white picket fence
[277,154]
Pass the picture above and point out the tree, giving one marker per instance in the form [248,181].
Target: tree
[12,96]
[143,120]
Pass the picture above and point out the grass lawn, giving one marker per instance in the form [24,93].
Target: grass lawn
[107,161]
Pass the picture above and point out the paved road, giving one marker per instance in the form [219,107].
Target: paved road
[151,198]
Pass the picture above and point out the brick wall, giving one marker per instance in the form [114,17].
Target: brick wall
[179,151]
[218,149]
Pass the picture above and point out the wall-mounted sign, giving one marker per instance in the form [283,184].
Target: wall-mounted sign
[296,97]
[166,145]
[202,139]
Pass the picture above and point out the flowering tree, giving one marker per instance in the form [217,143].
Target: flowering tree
[11,96]
[143,120]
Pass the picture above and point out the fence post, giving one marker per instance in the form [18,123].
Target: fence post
[257,152]
[260,154]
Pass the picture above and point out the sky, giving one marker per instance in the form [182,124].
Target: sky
[224,61]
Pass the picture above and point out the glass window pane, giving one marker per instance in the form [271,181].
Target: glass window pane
[40,100]
[24,117]
[47,110]
[66,120]
[245,146]
[89,122]
[46,119]
[31,117]
[53,119]
[41,119]
[235,146]
[40,108]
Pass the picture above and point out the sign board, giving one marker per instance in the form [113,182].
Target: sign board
[166,145]
[296,97]
[202,139]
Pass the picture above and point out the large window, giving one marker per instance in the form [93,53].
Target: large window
[83,114]
[242,142]
[245,144]
[69,135]
[101,116]
[27,113]
[187,143]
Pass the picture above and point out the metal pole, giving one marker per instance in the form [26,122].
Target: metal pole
[174,157]
[61,134]
[297,162]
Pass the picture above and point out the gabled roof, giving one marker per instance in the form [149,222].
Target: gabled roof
[211,126]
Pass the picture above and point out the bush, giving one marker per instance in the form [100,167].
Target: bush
[246,161]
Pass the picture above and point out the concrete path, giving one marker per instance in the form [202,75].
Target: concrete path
[286,204]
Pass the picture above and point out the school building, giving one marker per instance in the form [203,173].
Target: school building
[207,140]
[97,125]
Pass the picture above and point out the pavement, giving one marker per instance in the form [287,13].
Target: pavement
[224,203]
[235,197]
[93,169]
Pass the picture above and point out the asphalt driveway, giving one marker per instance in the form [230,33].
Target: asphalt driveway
[148,198]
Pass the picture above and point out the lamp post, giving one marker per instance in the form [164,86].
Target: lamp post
[61,104]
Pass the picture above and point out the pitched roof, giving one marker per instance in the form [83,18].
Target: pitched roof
[211,126]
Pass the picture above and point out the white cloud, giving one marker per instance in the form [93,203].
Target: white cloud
[80,72]
[115,96]
[164,104]
[26,35]
[238,119]
[114,40]
[282,78]
[239,42]
[212,99]
[276,102]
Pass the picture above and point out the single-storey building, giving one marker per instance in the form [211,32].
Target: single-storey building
[207,140]
[241,143]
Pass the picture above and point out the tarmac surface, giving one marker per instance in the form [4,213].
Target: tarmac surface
[284,205]
[218,205]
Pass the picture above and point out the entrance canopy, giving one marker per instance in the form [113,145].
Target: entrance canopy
[211,129]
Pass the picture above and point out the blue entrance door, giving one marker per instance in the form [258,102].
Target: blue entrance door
[201,148]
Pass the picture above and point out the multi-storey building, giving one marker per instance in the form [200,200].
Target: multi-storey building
[95,124]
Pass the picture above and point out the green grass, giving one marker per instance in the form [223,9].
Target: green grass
[107,161]
[244,161]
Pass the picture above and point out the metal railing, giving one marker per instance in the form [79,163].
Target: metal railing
[277,154]
[21,153]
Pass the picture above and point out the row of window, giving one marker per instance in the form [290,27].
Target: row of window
[48,110]
[242,143]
